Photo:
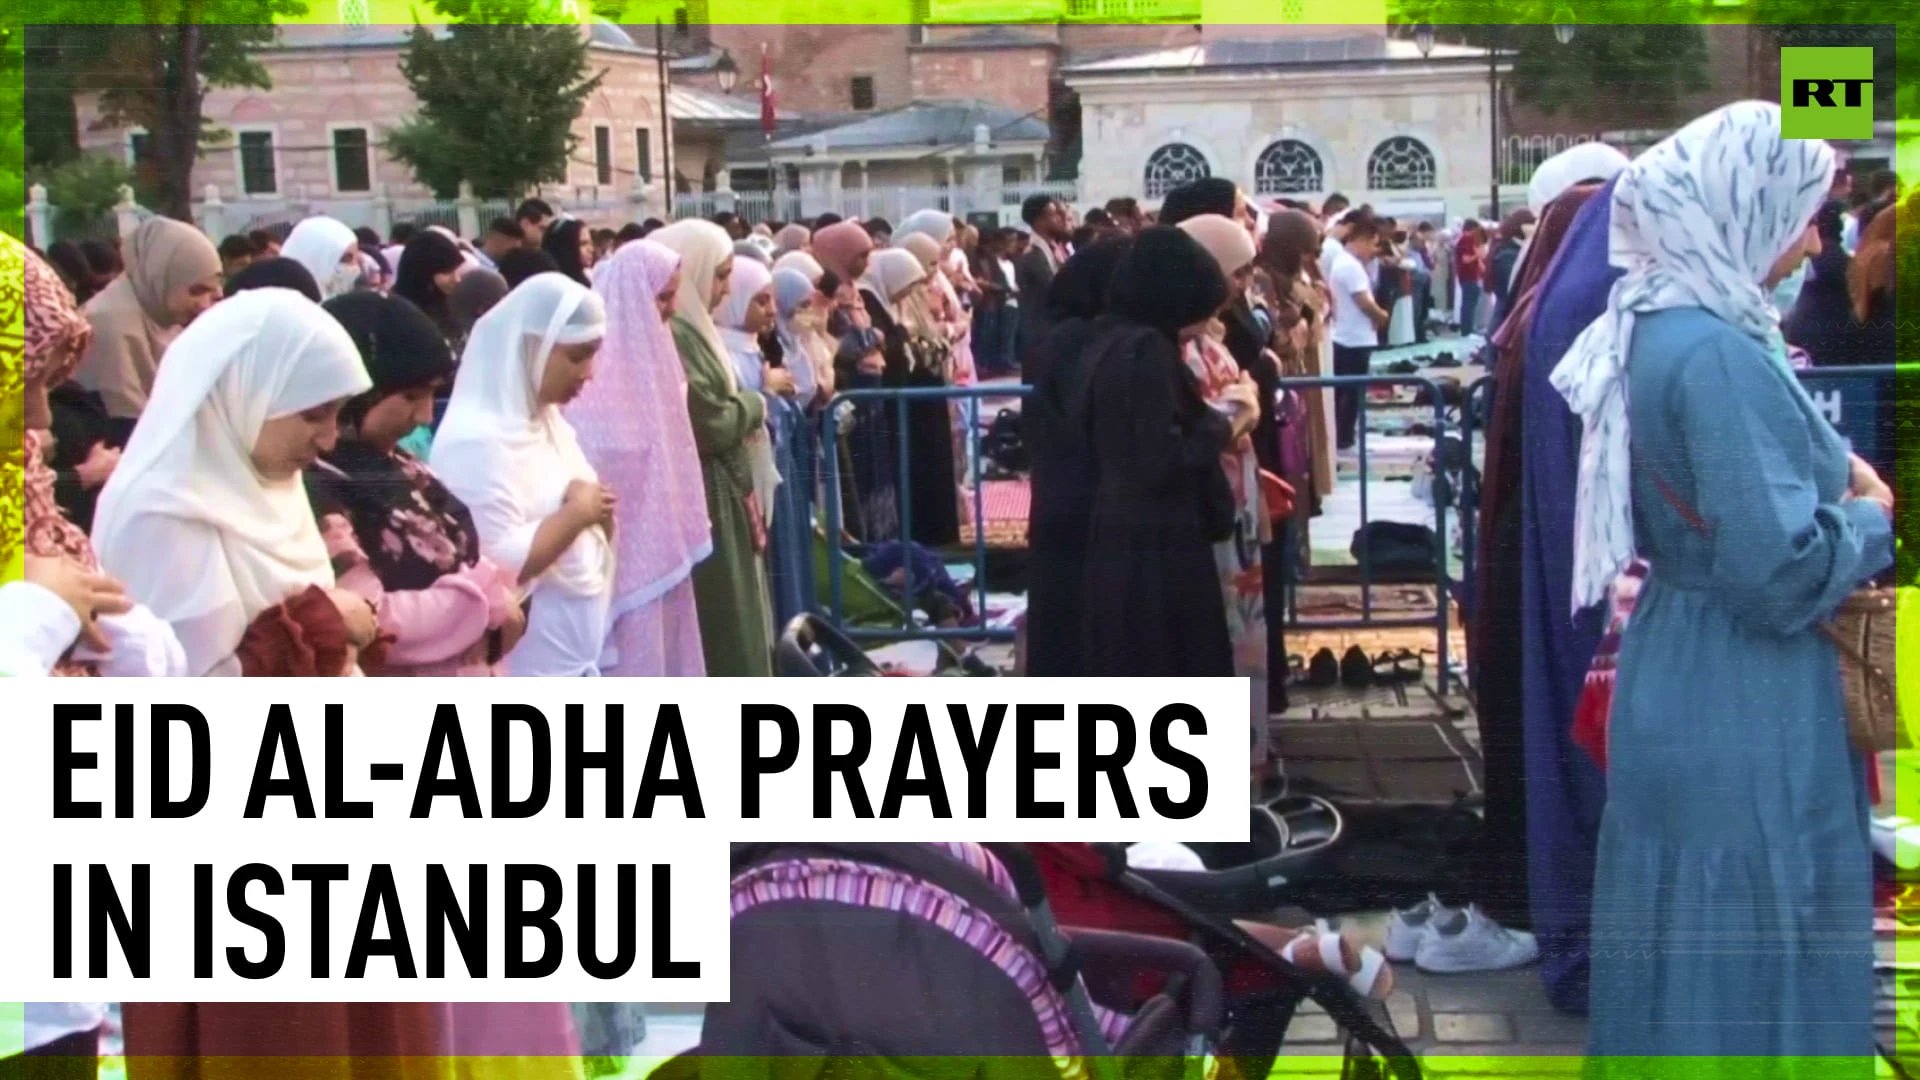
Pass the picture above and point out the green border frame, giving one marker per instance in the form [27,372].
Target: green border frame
[1212,12]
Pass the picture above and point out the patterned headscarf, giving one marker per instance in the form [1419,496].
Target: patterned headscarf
[56,337]
[1698,221]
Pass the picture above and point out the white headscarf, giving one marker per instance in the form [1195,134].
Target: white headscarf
[187,473]
[750,279]
[318,244]
[1570,167]
[1697,221]
[937,224]
[803,263]
[498,444]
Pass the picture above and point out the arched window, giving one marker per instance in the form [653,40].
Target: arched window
[1288,167]
[1399,164]
[1173,165]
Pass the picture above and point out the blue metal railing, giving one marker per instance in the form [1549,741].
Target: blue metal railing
[901,398]
[790,528]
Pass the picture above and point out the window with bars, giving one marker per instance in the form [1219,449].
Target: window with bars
[643,140]
[352,160]
[1401,163]
[602,155]
[139,148]
[1288,167]
[259,174]
[1173,165]
[861,92]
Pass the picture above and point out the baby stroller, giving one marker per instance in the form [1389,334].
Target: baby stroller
[940,961]
[1092,885]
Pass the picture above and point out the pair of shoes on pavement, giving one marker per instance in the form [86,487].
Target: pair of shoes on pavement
[1441,940]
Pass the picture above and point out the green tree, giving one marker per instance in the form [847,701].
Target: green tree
[498,93]
[1896,47]
[12,142]
[1631,66]
[152,63]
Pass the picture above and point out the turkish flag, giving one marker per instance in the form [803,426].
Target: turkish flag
[766,93]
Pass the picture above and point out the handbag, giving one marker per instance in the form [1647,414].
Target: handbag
[1863,631]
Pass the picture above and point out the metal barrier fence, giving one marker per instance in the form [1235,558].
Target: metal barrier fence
[1442,498]
[1851,398]
[829,466]
[794,573]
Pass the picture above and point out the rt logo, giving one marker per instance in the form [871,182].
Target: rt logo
[1826,93]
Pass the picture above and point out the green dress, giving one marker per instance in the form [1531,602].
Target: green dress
[729,586]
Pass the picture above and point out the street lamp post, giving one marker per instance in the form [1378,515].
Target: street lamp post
[1563,29]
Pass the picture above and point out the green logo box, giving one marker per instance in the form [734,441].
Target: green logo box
[1826,93]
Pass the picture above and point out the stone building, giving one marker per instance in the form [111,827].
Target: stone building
[312,142]
[1363,115]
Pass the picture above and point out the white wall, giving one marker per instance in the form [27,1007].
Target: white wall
[1342,115]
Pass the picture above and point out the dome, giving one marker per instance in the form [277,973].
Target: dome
[603,32]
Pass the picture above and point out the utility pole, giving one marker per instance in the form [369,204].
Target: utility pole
[666,117]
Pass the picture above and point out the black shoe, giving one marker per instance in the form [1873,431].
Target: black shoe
[1356,668]
[1402,367]
[1324,670]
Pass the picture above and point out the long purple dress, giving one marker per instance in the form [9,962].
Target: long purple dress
[1565,791]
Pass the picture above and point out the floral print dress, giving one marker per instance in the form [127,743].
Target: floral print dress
[1242,583]
[399,538]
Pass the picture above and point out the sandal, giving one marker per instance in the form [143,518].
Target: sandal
[1373,978]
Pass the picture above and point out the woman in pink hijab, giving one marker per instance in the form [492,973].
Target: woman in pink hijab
[633,426]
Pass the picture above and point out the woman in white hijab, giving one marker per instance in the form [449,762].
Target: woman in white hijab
[803,263]
[1732,905]
[746,312]
[736,457]
[206,518]
[507,452]
[1582,163]
[330,252]
[918,353]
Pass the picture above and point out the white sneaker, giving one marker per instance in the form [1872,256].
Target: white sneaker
[1408,930]
[1465,941]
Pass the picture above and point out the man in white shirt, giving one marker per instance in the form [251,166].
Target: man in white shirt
[1357,318]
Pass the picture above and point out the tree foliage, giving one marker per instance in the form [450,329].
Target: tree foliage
[12,143]
[152,63]
[498,95]
[1628,64]
[1852,23]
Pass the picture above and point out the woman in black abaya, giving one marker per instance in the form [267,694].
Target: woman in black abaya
[1064,476]
[1153,597]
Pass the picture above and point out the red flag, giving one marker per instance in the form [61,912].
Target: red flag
[766,93]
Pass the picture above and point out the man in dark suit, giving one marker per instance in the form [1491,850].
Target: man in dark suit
[1046,219]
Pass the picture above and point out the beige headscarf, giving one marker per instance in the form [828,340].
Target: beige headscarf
[792,238]
[803,263]
[924,247]
[1225,239]
[131,325]
[703,248]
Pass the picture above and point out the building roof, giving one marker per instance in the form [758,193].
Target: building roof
[601,35]
[690,104]
[1214,56]
[989,37]
[922,124]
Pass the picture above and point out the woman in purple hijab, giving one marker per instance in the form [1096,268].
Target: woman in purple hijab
[1565,790]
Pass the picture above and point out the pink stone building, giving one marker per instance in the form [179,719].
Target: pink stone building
[312,143]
